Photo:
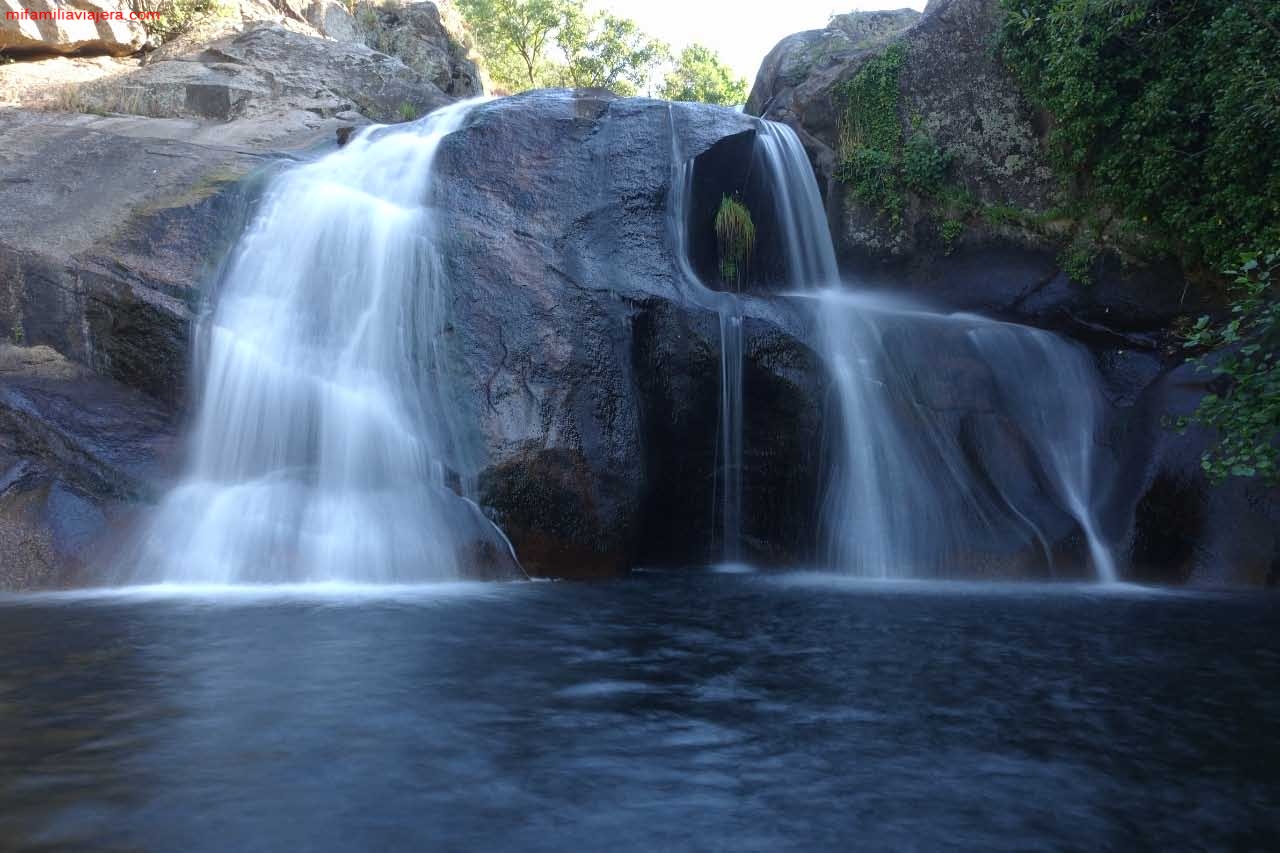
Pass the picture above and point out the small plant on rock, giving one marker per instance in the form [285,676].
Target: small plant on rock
[735,240]
[951,230]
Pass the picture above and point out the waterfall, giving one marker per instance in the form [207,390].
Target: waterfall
[324,446]
[729,467]
[727,497]
[923,486]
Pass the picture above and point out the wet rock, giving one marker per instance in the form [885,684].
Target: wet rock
[579,348]
[78,454]
[678,372]
[1183,528]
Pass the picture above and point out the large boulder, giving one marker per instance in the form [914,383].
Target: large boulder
[316,18]
[993,237]
[78,454]
[794,78]
[428,37]
[75,27]
[586,356]
[123,218]
[262,58]
[270,69]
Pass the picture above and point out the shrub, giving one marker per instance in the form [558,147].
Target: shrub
[924,165]
[735,240]
[1246,415]
[951,230]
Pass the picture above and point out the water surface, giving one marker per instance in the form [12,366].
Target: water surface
[704,711]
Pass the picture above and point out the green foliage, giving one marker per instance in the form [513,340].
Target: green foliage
[608,52]
[873,174]
[528,44]
[516,36]
[1003,215]
[1170,112]
[874,160]
[870,119]
[924,165]
[700,75]
[1169,108]
[1246,415]
[1077,259]
[407,111]
[951,230]
[735,240]
[176,16]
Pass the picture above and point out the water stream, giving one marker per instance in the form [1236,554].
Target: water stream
[924,485]
[324,446]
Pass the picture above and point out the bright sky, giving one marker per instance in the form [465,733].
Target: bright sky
[741,31]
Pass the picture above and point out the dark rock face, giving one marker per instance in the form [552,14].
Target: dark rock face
[1185,528]
[77,453]
[952,88]
[677,360]
[583,360]
[588,361]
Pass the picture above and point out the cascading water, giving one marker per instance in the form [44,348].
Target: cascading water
[729,481]
[924,487]
[323,436]
[728,308]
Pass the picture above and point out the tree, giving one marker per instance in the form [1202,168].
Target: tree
[608,52]
[700,75]
[514,36]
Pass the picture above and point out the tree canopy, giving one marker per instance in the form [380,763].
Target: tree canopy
[607,51]
[700,75]
[529,44]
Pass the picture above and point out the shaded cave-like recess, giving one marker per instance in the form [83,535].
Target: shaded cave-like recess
[734,167]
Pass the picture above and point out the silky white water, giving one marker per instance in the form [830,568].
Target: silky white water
[727,497]
[324,442]
[922,487]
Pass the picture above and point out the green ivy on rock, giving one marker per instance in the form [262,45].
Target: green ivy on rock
[874,159]
[1169,108]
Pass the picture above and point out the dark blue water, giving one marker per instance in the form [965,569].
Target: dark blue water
[707,712]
